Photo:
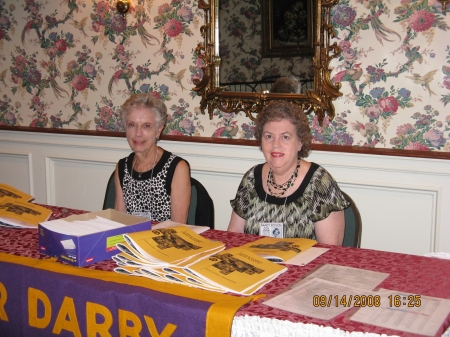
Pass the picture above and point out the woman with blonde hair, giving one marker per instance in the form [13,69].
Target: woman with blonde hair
[151,182]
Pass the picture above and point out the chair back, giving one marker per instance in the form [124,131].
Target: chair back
[353,224]
[201,209]
[110,194]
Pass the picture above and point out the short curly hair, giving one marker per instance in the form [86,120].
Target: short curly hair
[279,110]
[146,101]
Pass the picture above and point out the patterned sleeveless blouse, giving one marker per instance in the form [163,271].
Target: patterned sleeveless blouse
[149,194]
[317,196]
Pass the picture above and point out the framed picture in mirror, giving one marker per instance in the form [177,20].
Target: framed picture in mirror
[288,28]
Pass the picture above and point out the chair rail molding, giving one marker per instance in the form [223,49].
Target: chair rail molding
[401,199]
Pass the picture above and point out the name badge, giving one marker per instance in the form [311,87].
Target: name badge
[147,215]
[272,229]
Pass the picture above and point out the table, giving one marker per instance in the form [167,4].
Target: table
[408,273]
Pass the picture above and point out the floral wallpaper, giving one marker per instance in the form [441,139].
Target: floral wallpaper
[71,64]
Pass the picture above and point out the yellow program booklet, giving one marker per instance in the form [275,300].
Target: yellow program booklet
[236,270]
[171,245]
[7,191]
[21,213]
[279,249]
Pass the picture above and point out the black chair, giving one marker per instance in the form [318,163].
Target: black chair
[353,224]
[110,194]
[201,209]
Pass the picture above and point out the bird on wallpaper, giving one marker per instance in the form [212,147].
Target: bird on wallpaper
[2,77]
[146,37]
[177,77]
[57,89]
[349,75]
[80,25]
[84,126]
[346,75]
[168,55]
[381,31]
[125,73]
[424,80]
[228,131]
[32,24]
[39,122]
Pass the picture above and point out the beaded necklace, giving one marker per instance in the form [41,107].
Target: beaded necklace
[283,187]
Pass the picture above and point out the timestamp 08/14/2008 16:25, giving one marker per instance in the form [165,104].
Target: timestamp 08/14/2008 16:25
[395,301]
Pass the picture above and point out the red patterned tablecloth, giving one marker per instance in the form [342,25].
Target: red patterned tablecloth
[407,273]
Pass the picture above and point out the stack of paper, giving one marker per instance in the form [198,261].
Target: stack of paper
[17,211]
[179,255]
[279,250]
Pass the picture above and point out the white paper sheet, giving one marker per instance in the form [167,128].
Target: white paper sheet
[424,317]
[305,257]
[80,228]
[351,277]
[317,298]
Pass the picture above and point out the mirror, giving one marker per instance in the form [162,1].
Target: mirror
[317,98]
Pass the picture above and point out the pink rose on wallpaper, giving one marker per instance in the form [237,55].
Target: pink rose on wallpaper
[447,82]
[388,104]
[35,100]
[405,129]
[349,54]
[435,137]
[166,8]
[175,133]
[326,122]
[61,45]
[373,111]
[96,26]
[421,20]
[173,27]
[119,49]
[79,82]
[102,9]
[187,125]
[20,62]
[345,45]
[417,146]
[51,51]
[106,112]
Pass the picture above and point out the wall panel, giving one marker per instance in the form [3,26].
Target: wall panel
[402,200]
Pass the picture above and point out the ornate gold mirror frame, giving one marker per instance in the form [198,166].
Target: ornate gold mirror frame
[318,100]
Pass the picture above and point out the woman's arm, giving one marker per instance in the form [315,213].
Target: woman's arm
[236,223]
[331,229]
[180,194]
[119,203]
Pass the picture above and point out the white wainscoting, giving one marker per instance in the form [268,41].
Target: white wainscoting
[404,202]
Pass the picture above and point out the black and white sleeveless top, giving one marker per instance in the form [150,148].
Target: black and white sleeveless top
[149,194]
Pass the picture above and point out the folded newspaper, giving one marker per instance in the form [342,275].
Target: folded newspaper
[179,255]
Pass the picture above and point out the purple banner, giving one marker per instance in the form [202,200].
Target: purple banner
[36,302]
